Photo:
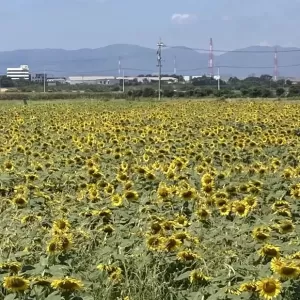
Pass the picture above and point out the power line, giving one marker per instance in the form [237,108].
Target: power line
[232,51]
[241,67]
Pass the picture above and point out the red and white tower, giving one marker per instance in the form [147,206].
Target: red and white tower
[275,64]
[211,58]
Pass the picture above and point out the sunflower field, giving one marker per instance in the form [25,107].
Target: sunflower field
[155,201]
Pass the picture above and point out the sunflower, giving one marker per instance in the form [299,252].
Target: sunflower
[171,244]
[197,276]
[208,188]
[225,210]
[187,193]
[295,256]
[295,191]
[116,276]
[61,225]
[155,243]
[261,234]
[12,267]
[41,281]
[248,287]
[203,213]
[67,284]
[30,219]
[20,201]
[268,288]
[207,179]
[156,228]
[269,250]
[8,166]
[251,201]
[168,225]
[280,204]
[163,191]
[15,283]
[221,202]
[109,189]
[285,226]
[182,220]
[240,208]
[116,200]
[285,269]
[122,177]
[187,256]
[128,185]
[131,195]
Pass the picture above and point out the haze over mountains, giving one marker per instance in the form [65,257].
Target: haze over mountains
[137,60]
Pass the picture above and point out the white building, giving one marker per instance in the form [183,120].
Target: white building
[19,73]
[104,80]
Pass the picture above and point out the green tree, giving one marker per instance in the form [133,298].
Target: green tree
[6,82]
[280,91]
[148,92]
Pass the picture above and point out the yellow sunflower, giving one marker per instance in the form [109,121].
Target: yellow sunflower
[116,200]
[187,256]
[269,288]
[12,267]
[197,276]
[67,284]
[261,234]
[286,269]
[269,250]
[15,283]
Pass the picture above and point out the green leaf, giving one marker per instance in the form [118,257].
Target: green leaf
[10,297]
[54,296]
[183,276]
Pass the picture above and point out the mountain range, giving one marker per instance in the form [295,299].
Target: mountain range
[137,60]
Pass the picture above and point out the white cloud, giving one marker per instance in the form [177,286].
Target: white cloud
[183,18]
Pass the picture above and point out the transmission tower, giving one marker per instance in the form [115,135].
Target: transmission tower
[275,64]
[211,58]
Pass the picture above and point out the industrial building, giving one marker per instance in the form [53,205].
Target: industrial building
[104,80]
[112,80]
[19,73]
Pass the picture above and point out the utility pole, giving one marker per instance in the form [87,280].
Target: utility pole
[175,65]
[119,65]
[275,64]
[123,81]
[44,81]
[218,79]
[160,44]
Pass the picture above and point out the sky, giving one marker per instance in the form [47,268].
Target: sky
[75,24]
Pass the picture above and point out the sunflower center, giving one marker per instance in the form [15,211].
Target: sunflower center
[269,287]
[17,283]
[261,236]
[288,270]
[271,252]
[241,209]
[187,194]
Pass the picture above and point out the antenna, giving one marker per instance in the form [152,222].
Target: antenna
[211,58]
[275,64]
[160,44]
[175,65]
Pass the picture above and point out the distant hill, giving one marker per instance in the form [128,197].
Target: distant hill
[140,60]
